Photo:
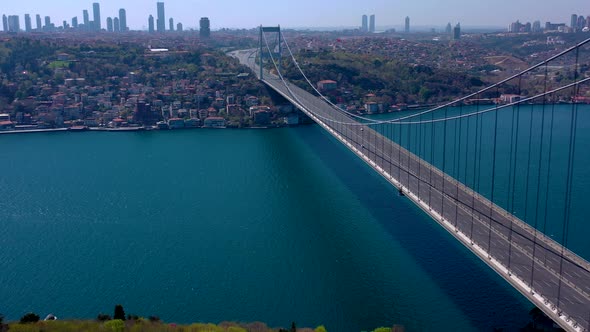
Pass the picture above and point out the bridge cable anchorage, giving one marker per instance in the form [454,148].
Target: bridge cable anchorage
[460,100]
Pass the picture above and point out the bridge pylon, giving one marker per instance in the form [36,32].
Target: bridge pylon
[263,42]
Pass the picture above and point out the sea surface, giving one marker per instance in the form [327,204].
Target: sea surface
[273,225]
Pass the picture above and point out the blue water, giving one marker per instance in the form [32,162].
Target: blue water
[243,225]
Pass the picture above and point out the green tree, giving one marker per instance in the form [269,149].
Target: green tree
[382,329]
[119,312]
[29,318]
[320,328]
[115,325]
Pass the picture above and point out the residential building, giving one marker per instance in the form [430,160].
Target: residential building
[39,25]
[365,24]
[122,20]
[109,24]
[205,28]
[161,21]
[171,24]
[96,12]
[151,24]
[214,122]
[407,26]
[28,25]
[372,24]
[457,32]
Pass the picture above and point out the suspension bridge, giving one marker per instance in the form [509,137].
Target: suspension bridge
[404,150]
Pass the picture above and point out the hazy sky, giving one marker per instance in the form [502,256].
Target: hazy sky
[310,13]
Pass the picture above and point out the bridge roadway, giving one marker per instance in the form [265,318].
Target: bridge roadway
[504,242]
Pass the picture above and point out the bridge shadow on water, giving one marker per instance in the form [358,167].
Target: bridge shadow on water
[479,293]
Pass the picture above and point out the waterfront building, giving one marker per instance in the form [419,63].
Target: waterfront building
[205,28]
[38,19]
[28,25]
[109,24]
[214,122]
[96,12]
[161,21]
[123,20]
[407,27]
[372,23]
[151,24]
[365,24]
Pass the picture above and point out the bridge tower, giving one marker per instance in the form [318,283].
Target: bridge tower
[277,48]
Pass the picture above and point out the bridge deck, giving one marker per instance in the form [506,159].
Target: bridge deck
[504,242]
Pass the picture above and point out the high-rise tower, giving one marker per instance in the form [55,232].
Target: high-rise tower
[28,25]
[109,24]
[365,24]
[39,25]
[4,23]
[123,20]
[96,12]
[372,24]
[86,19]
[407,29]
[161,21]
[151,24]
[205,27]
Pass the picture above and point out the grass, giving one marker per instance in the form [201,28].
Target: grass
[141,325]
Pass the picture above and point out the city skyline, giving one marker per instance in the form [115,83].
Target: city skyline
[238,14]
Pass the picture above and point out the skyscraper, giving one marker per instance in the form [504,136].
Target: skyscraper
[86,19]
[4,23]
[39,26]
[161,22]
[75,22]
[365,24]
[28,25]
[449,29]
[171,25]
[205,27]
[372,23]
[179,27]
[109,24]
[151,24]
[96,12]
[537,26]
[47,26]
[116,25]
[407,29]
[574,21]
[13,23]
[123,19]
[457,32]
